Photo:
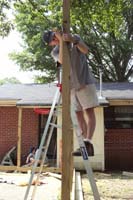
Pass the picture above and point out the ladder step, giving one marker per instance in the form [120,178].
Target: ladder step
[56,113]
[55,125]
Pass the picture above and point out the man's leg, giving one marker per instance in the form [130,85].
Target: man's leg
[82,123]
[87,126]
[83,99]
[91,123]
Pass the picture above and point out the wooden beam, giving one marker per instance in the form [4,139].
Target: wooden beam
[73,186]
[120,102]
[67,133]
[19,137]
[8,103]
[25,169]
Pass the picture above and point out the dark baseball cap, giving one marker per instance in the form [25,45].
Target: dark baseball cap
[48,36]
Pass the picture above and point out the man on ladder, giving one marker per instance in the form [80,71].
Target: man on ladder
[83,98]
[83,91]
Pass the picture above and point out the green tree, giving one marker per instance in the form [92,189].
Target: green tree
[107,28]
[108,31]
[9,80]
[5,23]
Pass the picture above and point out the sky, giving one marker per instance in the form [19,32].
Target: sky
[8,68]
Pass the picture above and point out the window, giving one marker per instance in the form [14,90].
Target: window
[117,117]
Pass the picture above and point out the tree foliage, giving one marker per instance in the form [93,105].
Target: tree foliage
[5,23]
[108,31]
[9,80]
[106,27]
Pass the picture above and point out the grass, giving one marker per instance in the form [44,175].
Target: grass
[111,186]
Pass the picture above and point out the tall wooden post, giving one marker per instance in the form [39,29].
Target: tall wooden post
[19,137]
[67,132]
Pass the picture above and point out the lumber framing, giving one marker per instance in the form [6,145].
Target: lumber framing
[25,169]
[19,137]
[122,102]
[67,132]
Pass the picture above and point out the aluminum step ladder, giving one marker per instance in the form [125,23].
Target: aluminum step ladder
[44,142]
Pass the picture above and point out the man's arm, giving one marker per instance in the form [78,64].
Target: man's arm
[70,38]
[59,37]
[76,41]
[82,47]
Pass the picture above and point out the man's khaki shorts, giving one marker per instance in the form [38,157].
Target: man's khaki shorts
[84,98]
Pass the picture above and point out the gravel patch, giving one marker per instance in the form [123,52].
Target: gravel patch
[111,186]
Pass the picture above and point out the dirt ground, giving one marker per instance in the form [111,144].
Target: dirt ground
[15,187]
[111,186]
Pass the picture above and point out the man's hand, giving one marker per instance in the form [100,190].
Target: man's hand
[67,37]
[58,35]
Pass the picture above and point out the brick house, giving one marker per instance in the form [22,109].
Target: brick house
[113,138]
[15,118]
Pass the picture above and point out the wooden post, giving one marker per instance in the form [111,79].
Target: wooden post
[19,137]
[67,132]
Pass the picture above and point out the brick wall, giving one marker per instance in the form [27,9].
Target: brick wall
[9,130]
[119,149]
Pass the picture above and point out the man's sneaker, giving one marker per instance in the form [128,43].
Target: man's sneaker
[89,148]
[77,152]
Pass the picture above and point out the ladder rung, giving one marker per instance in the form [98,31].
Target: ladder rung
[56,113]
[55,125]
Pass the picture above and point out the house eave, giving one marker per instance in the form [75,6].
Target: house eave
[8,102]
[120,102]
[34,103]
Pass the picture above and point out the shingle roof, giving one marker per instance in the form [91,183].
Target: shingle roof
[43,94]
[117,90]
